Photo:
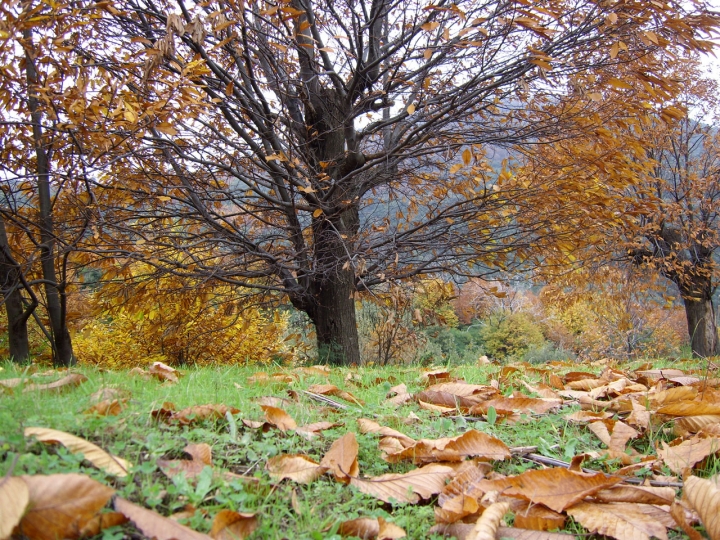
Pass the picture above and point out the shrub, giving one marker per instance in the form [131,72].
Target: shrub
[510,334]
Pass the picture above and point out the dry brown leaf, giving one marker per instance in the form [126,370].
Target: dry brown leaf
[12,383]
[672,395]
[690,408]
[93,453]
[14,498]
[152,524]
[263,378]
[693,424]
[704,497]
[616,437]
[659,374]
[370,426]
[201,457]
[278,418]
[435,408]
[636,494]
[197,413]
[163,372]
[639,417]
[517,405]
[463,485]
[583,417]
[295,467]
[332,390]
[321,371]
[446,399]
[585,384]
[463,389]
[364,527]
[685,455]
[229,525]
[60,505]
[435,376]
[106,408]
[469,444]
[678,514]
[68,381]
[312,430]
[462,530]
[623,521]
[409,487]
[539,518]
[100,522]
[557,488]
[489,522]
[341,458]
[541,390]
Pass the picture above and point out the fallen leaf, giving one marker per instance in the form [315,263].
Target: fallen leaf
[623,521]
[461,531]
[201,457]
[332,390]
[68,381]
[469,444]
[312,430]
[409,487]
[229,525]
[583,417]
[539,518]
[152,524]
[163,372]
[636,494]
[685,455]
[106,408]
[341,458]
[14,498]
[690,408]
[704,497]
[517,405]
[60,505]
[100,522]
[295,467]
[91,452]
[197,413]
[278,417]
[557,488]
[370,426]
[678,513]
[487,526]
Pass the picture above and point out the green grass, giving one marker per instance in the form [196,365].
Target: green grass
[318,507]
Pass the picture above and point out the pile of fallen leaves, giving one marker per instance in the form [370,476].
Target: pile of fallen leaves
[456,474]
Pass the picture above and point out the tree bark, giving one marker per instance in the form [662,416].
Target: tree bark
[700,314]
[17,313]
[55,294]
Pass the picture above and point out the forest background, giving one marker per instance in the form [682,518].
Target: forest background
[357,182]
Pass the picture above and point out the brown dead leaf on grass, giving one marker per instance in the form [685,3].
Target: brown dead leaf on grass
[370,426]
[94,454]
[106,408]
[557,488]
[229,525]
[371,529]
[703,495]
[472,443]
[584,417]
[487,526]
[153,525]
[163,372]
[264,378]
[201,457]
[435,376]
[295,467]
[623,493]
[448,400]
[278,418]
[198,413]
[409,487]
[682,457]
[332,390]
[690,408]
[100,522]
[310,431]
[68,381]
[539,518]
[517,405]
[341,458]
[623,521]
[14,498]
[60,505]
[461,531]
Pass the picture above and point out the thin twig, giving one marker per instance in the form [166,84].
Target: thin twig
[326,400]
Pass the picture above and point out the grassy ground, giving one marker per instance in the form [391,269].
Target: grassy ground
[286,509]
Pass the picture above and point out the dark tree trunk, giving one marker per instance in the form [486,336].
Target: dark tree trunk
[17,313]
[333,303]
[55,293]
[700,314]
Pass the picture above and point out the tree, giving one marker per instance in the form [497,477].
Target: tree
[680,234]
[652,195]
[320,148]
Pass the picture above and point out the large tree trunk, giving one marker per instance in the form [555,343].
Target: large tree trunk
[700,314]
[55,293]
[333,291]
[17,313]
